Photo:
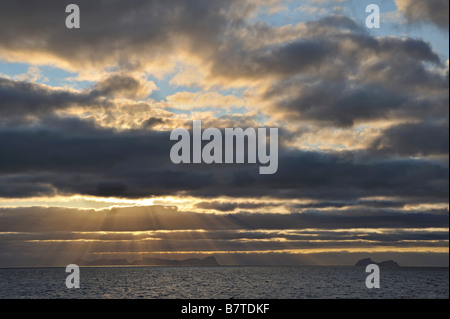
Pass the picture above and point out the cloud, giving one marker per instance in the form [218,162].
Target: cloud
[330,70]
[432,11]
[21,99]
[135,35]
[133,163]
[111,140]
[189,100]
[33,74]
[125,86]
[151,221]
[69,234]
[363,124]
[420,139]
[228,206]
[367,80]
[383,236]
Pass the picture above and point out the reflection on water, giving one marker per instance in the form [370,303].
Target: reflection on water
[290,282]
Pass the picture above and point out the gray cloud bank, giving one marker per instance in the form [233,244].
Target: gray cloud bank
[434,11]
[103,162]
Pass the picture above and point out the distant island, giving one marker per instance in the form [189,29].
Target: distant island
[208,261]
[384,264]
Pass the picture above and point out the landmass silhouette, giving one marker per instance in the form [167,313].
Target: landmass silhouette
[208,261]
[384,264]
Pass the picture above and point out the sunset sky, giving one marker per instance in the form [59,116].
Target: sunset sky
[86,116]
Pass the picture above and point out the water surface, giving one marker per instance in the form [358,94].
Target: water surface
[241,282]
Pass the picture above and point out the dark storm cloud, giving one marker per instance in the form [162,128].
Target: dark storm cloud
[90,160]
[348,89]
[284,60]
[430,11]
[115,33]
[420,139]
[103,162]
[349,76]
[339,176]
[44,150]
[332,46]
[341,105]
[119,85]
[21,99]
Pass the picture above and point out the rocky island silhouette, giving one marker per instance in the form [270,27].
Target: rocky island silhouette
[384,264]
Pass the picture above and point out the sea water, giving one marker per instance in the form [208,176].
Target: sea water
[240,282]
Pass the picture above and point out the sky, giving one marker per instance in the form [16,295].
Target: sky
[86,116]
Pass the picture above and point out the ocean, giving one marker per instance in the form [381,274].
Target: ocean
[240,282]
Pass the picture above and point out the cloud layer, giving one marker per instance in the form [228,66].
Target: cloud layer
[363,122]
